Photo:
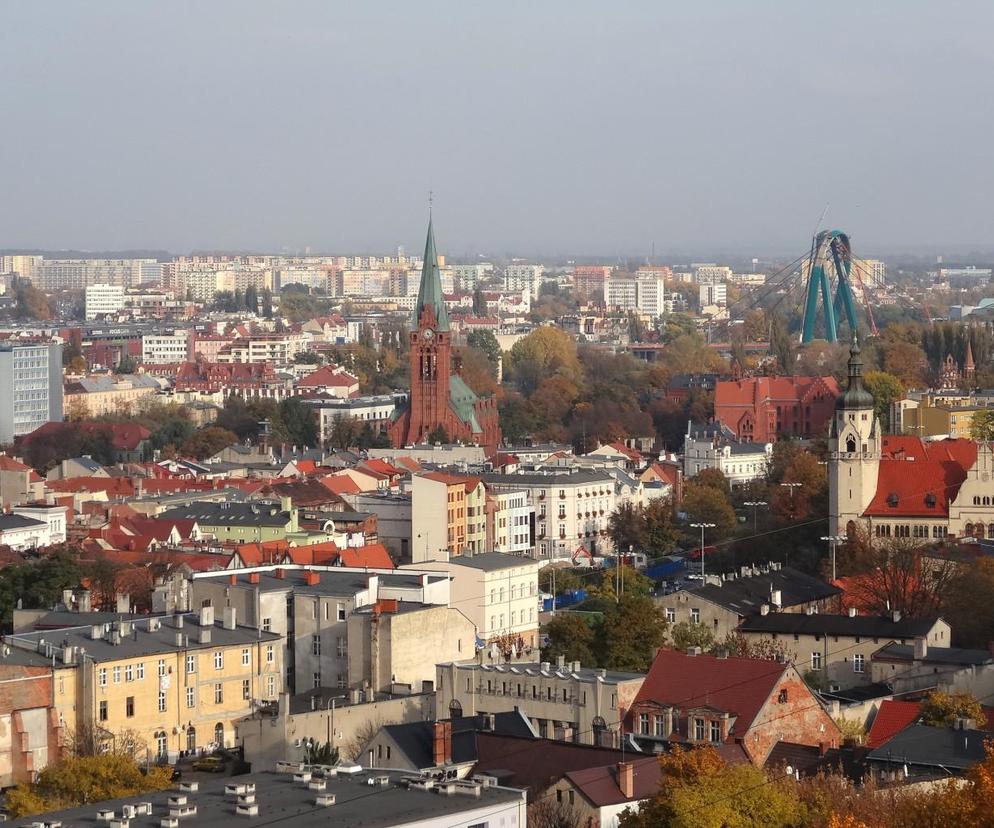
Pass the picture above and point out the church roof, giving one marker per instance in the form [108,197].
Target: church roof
[430,290]
[856,396]
[464,402]
[918,478]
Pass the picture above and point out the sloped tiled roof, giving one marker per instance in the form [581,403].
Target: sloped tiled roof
[917,478]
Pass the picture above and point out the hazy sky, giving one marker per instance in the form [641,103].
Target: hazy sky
[541,127]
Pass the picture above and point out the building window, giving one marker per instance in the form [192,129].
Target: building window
[117,675]
[857,663]
[644,724]
[716,732]
[246,689]
[191,697]
[161,747]
[219,659]
[695,616]
[661,727]
[270,687]
[191,664]
[316,645]
[267,624]
[129,672]
[218,693]
[129,706]
[670,615]
[162,667]
[699,730]
[103,711]
[341,613]
[246,657]
[317,680]
[102,677]
[782,697]
[270,653]
[815,661]
[340,680]
[341,647]
[191,739]
[162,702]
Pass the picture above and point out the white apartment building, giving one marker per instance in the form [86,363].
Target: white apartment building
[468,275]
[621,293]
[651,290]
[571,508]
[715,446]
[310,277]
[103,300]
[165,349]
[54,517]
[713,295]
[519,277]
[497,592]
[512,521]
[77,274]
[30,386]
[706,274]
[278,348]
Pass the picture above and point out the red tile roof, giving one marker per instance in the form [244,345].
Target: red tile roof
[113,486]
[892,717]
[911,470]
[667,472]
[372,555]
[8,463]
[736,685]
[327,376]
[789,389]
[340,485]
[382,467]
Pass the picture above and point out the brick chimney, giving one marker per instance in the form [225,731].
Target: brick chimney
[626,779]
[313,578]
[253,577]
[442,743]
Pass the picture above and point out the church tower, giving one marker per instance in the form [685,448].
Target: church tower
[854,445]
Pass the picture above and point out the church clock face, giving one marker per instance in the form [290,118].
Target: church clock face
[428,334]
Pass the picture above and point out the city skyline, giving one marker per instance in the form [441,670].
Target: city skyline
[541,132]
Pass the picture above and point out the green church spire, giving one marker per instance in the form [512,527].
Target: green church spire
[430,291]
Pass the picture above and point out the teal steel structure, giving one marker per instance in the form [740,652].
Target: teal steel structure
[830,261]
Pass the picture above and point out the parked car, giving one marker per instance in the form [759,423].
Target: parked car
[210,764]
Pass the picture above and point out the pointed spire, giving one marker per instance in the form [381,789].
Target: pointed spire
[856,396]
[430,290]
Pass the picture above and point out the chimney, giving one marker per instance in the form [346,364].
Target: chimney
[776,598]
[373,585]
[280,573]
[764,609]
[233,579]
[230,618]
[560,662]
[123,602]
[67,599]
[853,612]
[442,743]
[313,578]
[895,616]
[253,577]
[693,651]
[83,602]
[205,635]
[626,779]
[207,616]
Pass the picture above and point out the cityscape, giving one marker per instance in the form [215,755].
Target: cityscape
[563,480]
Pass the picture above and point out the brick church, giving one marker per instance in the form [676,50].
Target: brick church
[440,400]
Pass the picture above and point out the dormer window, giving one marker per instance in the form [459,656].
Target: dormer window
[930,500]
[892,499]
[851,444]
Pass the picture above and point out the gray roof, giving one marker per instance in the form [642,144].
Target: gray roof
[581,477]
[935,747]
[492,561]
[332,581]
[254,513]
[415,739]
[138,640]
[280,799]
[12,521]
[587,675]
[745,595]
[936,655]
[865,626]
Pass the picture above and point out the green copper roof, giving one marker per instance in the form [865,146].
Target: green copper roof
[464,401]
[430,291]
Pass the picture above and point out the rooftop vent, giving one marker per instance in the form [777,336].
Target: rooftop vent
[324,800]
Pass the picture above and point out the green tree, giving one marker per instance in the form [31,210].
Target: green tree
[705,504]
[38,583]
[485,341]
[566,579]
[252,299]
[982,425]
[479,302]
[633,629]
[685,634]
[569,635]
[439,435]
[942,709]
[632,583]
[126,365]
[320,754]
[267,303]
[295,423]
[544,352]
[885,388]
[781,345]
[208,441]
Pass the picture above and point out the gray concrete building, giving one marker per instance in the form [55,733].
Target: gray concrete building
[30,386]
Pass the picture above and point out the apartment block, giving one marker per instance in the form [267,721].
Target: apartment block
[30,386]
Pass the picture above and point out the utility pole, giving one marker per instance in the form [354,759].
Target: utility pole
[702,527]
[755,507]
[791,486]
[832,541]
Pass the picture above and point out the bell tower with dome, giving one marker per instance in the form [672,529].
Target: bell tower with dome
[854,446]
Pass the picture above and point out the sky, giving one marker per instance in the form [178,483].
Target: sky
[541,128]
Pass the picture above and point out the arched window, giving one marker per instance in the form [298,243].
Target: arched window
[987,501]
[980,530]
[976,500]
[191,739]
[161,746]
[968,531]
[219,735]
[990,530]
[455,709]
[851,444]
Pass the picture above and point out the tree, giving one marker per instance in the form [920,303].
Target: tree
[295,423]
[87,779]
[569,635]
[439,435]
[479,302]
[38,583]
[737,645]
[31,302]
[320,754]
[906,362]
[544,352]
[252,299]
[208,441]
[545,812]
[485,341]
[715,478]
[803,490]
[885,388]
[633,629]
[307,358]
[77,365]
[632,583]
[942,709]
[565,579]
[781,345]
[982,425]
[685,634]
[477,371]
[267,303]
[707,505]
[126,365]
[969,604]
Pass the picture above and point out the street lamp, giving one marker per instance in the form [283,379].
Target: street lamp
[702,527]
[791,486]
[832,540]
[755,506]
